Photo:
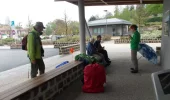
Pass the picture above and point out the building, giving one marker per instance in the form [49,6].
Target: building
[113,26]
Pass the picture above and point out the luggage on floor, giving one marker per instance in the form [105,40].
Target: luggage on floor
[94,78]
[85,59]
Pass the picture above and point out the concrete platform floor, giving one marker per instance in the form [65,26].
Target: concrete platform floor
[121,84]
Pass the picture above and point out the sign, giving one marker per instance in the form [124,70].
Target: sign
[12,23]
[13,32]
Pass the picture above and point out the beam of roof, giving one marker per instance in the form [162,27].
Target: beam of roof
[114,2]
[141,1]
[104,2]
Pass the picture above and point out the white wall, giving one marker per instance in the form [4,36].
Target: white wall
[165,46]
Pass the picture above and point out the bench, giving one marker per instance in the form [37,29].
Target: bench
[46,86]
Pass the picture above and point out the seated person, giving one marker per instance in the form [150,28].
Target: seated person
[101,49]
[91,51]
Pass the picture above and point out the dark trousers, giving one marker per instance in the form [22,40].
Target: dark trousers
[104,52]
[134,59]
[38,66]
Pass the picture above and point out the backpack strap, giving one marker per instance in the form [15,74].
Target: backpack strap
[34,36]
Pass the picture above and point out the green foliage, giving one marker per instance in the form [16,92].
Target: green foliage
[155,19]
[154,9]
[151,34]
[93,18]
[106,37]
[7,41]
[59,27]
[76,38]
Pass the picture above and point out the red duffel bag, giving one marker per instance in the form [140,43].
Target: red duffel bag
[94,78]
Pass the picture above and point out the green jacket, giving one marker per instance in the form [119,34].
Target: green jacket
[33,45]
[135,39]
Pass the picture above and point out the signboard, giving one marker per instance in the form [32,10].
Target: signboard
[12,23]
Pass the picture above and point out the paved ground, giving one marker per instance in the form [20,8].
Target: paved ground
[13,58]
[121,84]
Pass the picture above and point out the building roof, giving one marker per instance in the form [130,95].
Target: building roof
[111,21]
[114,2]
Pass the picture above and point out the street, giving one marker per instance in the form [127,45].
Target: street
[17,57]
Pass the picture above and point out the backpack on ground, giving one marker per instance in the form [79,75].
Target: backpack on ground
[94,78]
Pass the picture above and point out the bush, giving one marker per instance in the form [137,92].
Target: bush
[75,38]
[151,34]
[155,19]
[106,37]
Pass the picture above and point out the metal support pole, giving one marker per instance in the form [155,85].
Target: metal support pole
[82,26]
[106,25]
[106,21]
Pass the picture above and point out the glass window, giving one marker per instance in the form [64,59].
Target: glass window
[102,30]
[95,30]
[98,30]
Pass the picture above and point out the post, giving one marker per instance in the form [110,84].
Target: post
[106,24]
[106,21]
[82,26]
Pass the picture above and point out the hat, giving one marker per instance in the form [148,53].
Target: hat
[39,24]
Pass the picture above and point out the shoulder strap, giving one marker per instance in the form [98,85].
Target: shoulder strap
[34,35]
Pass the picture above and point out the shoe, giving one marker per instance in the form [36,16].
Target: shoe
[134,71]
[108,61]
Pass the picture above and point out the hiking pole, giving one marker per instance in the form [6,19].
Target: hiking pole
[28,71]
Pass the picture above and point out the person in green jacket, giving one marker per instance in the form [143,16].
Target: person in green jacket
[35,50]
[134,42]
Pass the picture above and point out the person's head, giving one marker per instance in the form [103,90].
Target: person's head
[39,27]
[133,28]
[92,40]
[99,37]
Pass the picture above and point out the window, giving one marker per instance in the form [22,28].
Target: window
[102,30]
[95,30]
[99,31]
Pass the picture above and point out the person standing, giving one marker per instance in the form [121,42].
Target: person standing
[134,42]
[35,50]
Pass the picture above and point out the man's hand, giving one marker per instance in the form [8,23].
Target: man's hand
[33,62]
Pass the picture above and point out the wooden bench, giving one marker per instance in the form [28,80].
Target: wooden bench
[45,86]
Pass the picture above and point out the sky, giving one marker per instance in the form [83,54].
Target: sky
[44,10]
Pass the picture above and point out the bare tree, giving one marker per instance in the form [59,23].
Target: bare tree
[66,21]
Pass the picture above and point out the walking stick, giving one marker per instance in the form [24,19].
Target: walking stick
[28,71]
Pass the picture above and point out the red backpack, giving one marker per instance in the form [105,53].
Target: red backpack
[94,78]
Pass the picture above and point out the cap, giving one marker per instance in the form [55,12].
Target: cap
[39,24]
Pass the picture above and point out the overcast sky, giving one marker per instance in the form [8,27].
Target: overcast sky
[44,10]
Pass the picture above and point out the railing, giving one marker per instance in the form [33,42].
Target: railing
[66,49]
[119,41]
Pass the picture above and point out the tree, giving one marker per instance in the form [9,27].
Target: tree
[29,24]
[140,16]
[125,14]
[93,18]
[154,9]
[48,29]
[66,21]
[74,27]
[116,12]
[108,15]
